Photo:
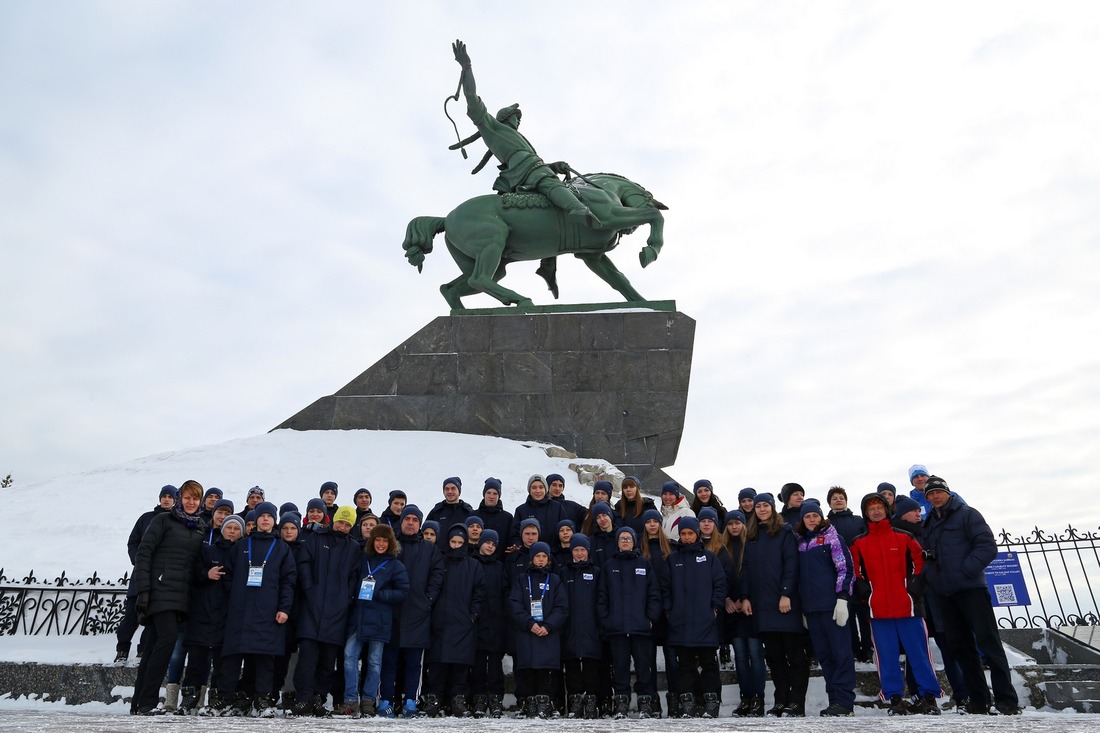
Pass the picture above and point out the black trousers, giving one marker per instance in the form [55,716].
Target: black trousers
[640,649]
[201,660]
[697,666]
[316,666]
[785,654]
[582,676]
[162,629]
[446,681]
[487,676]
[968,619]
[262,665]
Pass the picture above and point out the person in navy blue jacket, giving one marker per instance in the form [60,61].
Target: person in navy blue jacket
[629,603]
[290,532]
[413,634]
[694,596]
[630,508]
[748,652]
[451,510]
[328,570]
[487,677]
[573,510]
[382,585]
[539,607]
[582,647]
[261,576]
[769,594]
[494,515]
[602,533]
[538,506]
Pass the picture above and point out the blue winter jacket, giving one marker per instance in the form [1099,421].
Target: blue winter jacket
[629,600]
[373,620]
[455,613]
[962,543]
[582,632]
[538,652]
[824,570]
[209,598]
[547,511]
[770,570]
[494,619]
[328,570]
[695,595]
[424,564]
[250,625]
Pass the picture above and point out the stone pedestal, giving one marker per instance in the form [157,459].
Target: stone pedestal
[610,384]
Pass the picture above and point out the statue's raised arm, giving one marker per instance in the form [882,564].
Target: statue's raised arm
[521,169]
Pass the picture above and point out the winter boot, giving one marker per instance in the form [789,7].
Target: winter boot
[171,697]
[385,709]
[711,706]
[926,705]
[687,705]
[777,709]
[622,707]
[317,707]
[240,706]
[189,701]
[898,706]
[410,711]
[121,654]
[576,706]
[591,708]
[742,710]
[264,706]
[458,707]
[607,708]
[542,707]
[301,709]
[287,701]
[481,706]
[346,709]
[673,701]
[496,706]
[429,706]
[794,710]
[836,710]
[756,706]
[645,707]
[530,707]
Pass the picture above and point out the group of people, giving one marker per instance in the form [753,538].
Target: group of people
[407,614]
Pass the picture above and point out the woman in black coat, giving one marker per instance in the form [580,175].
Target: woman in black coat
[540,609]
[163,571]
[632,506]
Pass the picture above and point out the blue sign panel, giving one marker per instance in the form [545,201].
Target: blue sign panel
[1005,579]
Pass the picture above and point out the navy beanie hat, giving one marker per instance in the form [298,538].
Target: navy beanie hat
[474,519]
[414,510]
[904,505]
[626,530]
[361,491]
[736,514]
[649,514]
[540,547]
[397,494]
[458,528]
[604,486]
[530,522]
[167,490]
[288,507]
[670,487]
[580,540]
[746,493]
[703,482]
[567,523]
[215,491]
[453,480]
[708,512]
[318,504]
[765,498]
[887,486]
[689,523]
[432,525]
[491,483]
[250,516]
[489,535]
[811,506]
[290,518]
[223,502]
[552,477]
[329,486]
[266,507]
[601,507]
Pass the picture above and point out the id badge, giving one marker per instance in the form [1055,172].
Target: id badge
[255,577]
[366,590]
[536,610]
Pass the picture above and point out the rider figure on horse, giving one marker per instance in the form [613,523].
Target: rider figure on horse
[521,169]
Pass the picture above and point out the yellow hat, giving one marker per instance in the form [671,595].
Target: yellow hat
[344,514]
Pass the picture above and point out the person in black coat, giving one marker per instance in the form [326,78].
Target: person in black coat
[573,511]
[694,596]
[261,576]
[603,533]
[539,607]
[362,502]
[452,510]
[290,532]
[206,617]
[129,623]
[562,545]
[630,508]
[328,571]
[629,604]
[582,648]
[516,562]
[538,506]
[163,568]
[494,515]
[412,635]
[850,526]
[487,677]
[454,627]
[391,515]
[328,493]
[705,497]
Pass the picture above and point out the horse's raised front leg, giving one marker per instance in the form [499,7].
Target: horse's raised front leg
[605,268]
[614,216]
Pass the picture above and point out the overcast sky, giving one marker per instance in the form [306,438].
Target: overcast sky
[883,217]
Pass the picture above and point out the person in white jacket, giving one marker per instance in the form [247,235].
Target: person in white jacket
[674,507]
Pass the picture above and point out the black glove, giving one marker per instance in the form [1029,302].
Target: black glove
[141,605]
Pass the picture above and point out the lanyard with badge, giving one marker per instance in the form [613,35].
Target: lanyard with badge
[536,606]
[256,573]
[366,588]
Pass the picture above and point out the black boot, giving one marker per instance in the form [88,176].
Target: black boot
[122,653]
[429,706]
[622,706]
[496,706]
[777,708]
[687,705]
[742,710]
[264,706]
[189,699]
[481,706]
[458,707]
[287,702]
[794,710]
[591,708]
[673,701]
[317,707]
[711,706]
[645,707]
[756,706]
[531,707]
[576,706]
[542,706]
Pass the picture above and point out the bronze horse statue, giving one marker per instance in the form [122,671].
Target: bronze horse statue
[486,233]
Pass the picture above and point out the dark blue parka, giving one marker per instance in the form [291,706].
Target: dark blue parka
[963,545]
[696,592]
[538,652]
[770,570]
[498,520]
[635,523]
[328,574]
[582,632]
[424,564]
[573,510]
[250,625]
[603,546]
[448,514]
[209,598]
[629,598]
[547,511]
[494,619]
[454,616]
[373,620]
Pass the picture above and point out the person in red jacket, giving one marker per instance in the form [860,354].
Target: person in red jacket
[890,561]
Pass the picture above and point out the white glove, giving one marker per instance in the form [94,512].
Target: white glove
[840,612]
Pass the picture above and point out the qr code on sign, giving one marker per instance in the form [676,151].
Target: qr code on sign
[1006,594]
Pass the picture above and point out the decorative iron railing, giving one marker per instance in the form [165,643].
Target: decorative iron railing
[1062,572]
[62,606]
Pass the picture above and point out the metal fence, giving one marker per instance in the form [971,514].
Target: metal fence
[1062,572]
[62,606]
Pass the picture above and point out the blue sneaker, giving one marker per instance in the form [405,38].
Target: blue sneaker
[385,710]
[410,710]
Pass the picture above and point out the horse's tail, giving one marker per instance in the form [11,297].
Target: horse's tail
[418,238]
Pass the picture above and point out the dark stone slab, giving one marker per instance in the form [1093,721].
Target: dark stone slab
[610,385]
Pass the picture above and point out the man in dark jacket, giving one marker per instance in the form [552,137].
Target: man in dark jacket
[573,510]
[452,510]
[495,516]
[538,506]
[959,545]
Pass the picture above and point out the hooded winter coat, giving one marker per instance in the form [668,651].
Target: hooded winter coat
[770,570]
[166,559]
[695,595]
[424,564]
[824,570]
[455,613]
[889,559]
[629,600]
[500,521]
[448,514]
[538,652]
[250,626]
[582,631]
[547,511]
[328,573]
[672,516]
[494,619]
[209,598]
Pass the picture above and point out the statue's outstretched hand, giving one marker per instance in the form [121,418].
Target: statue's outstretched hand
[460,53]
